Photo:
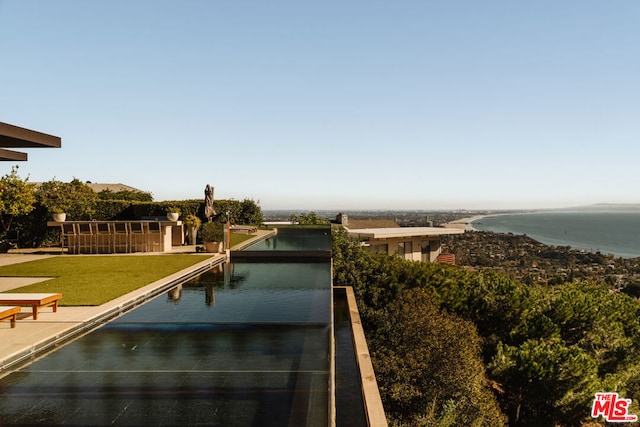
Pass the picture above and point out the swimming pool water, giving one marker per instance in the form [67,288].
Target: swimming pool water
[240,345]
[305,239]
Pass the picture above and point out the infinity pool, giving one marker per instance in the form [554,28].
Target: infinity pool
[299,239]
[244,344]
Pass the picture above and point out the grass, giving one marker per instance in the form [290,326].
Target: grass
[94,280]
[237,238]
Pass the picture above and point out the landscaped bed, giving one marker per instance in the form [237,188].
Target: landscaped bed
[95,280]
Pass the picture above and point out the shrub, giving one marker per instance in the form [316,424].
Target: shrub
[212,232]
[74,198]
[192,221]
[16,197]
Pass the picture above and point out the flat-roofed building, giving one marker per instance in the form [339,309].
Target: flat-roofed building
[410,243]
[386,236]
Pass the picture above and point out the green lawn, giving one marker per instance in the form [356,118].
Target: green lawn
[94,280]
[237,238]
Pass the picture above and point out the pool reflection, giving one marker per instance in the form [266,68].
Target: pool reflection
[240,345]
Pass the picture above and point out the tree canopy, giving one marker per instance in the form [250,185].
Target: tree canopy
[74,198]
[428,362]
[310,218]
[16,197]
[545,350]
[140,196]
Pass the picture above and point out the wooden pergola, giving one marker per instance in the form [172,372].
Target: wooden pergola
[16,137]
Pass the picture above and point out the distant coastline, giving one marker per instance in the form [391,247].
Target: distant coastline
[605,231]
[464,223]
[467,223]
[477,218]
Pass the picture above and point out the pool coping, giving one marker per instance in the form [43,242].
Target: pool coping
[371,398]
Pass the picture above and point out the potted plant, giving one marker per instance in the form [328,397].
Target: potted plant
[74,198]
[59,214]
[212,235]
[173,213]
[192,223]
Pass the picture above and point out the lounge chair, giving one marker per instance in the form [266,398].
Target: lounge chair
[9,312]
[36,301]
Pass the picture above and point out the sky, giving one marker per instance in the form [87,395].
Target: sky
[346,105]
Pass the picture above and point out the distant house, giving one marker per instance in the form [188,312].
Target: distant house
[386,236]
[115,188]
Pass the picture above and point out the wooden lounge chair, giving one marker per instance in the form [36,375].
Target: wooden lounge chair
[36,301]
[9,312]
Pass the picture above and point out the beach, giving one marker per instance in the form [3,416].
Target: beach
[463,223]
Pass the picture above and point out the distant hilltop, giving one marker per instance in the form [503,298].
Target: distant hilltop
[605,207]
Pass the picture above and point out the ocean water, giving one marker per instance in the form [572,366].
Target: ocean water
[616,233]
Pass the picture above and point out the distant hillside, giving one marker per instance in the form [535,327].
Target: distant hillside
[605,207]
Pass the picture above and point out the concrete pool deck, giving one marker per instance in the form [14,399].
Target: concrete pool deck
[30,339]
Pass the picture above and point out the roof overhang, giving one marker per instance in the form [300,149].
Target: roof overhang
[403,232]
[16,137]
[10,155]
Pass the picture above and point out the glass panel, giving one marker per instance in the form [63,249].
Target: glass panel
[297,239]
[381,248]
[425,251]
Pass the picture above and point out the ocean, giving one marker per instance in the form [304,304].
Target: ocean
[616,233]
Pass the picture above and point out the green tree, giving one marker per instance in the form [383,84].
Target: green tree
[549,382]
[310,218]
[429,365]
[74,198]
[250,213]
[427,362]
[139,196]
[16,197]
[546,349]
[244,212]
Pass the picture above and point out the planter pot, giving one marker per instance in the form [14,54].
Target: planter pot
[192,232]
[173,216]
[59,217]
[212,247]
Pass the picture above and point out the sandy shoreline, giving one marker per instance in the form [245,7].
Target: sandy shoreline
[463,223]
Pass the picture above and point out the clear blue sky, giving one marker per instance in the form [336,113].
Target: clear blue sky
[332,104]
